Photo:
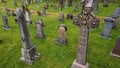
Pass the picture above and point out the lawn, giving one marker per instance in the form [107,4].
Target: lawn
[55,55]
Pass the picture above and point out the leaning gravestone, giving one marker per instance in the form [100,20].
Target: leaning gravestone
[116,50]
[43,11]
[61,17]
[95,6]
[62,35]
[105,3]
[29,54]
[107,27]
[40,25]
[5,23]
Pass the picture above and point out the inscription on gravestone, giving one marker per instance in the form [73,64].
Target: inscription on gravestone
[116,49]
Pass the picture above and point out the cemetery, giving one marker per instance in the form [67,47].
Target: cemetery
[60,34]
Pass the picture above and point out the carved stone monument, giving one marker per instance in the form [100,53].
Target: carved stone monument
[116,50]
[107,28]
[82,22]
[5,23]
[29,54]
[61,17]
[40,26]
[62,35]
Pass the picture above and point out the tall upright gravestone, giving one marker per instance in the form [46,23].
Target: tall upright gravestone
[116,50]
[83,23]
[29,53]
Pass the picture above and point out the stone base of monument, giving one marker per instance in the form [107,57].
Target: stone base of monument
[112,54]
[59,41]
[40,36]
[29,56]
[77,65]
[104,36]
[6,28]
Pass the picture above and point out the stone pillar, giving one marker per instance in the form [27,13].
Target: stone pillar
[29,53]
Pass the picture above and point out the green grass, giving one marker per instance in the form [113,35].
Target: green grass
[54,55]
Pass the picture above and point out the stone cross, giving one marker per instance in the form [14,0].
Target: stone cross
[62,35]
[29,53]
[40,26]
[82,21]
[61,17]
[116,50]
[5,23]
[108,23]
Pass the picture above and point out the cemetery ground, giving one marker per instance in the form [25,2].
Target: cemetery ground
[54,55]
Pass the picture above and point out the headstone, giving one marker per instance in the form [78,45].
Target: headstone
[105,3]
[108,23]
[116,50]
[70,2]
[66,4]
[15,2]
[40,26]
[46,5]
[43,11]
[75,7]
[95,6]
[8,11]
[37,3]
[61,3]
[61,17]
[29,53]
[13,13]
[117,12]
[39,13]
[62,35]
[69,16]
[5,23]
[27,16]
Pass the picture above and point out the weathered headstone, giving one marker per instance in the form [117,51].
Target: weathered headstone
[62,35]
[43,11]
[108,23]
[37,3]
[75,7]
[54,7]
[105,3]
[15,2]
[66,4]
[46,5]
[5,23]
[83,21]
[29,53]
[70,2]
[69,16]
[61,17]
[95,6]
[8,11]
[117,12]
[116,50]
[40,26]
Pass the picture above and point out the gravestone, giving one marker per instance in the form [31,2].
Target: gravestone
[13,13]
[75,7]
[27,16]
[61,17]
[83,21]
[95,6]
[117,12]
[5,23]
[116,50]
[43,11]
[70,2]
[66,4]
[29,53]
[108,23]
[62,35]
[105,3]
[61,3]
[37,3]
[46,5]
[69,16]
[15,2]
[40,26]
[8,11]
